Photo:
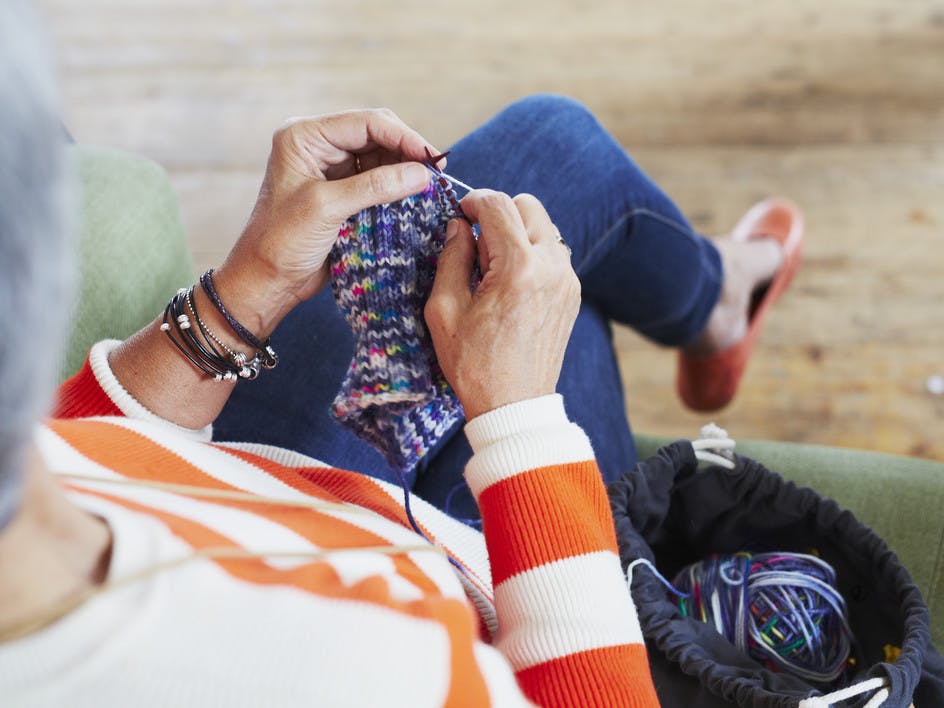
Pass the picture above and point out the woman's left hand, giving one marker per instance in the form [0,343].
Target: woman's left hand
[321,171]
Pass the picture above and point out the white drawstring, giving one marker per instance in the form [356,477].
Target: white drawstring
[850,692]
[878,699]
[715,447]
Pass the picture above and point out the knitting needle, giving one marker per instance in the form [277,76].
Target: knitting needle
[450,178]
[431,163]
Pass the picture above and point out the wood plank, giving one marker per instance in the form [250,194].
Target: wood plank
[187,82]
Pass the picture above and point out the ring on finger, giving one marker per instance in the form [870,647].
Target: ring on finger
[562,242]
[357,164]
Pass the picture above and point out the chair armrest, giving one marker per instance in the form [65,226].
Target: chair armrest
[131,249]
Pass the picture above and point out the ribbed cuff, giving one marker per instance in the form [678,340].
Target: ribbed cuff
[126,403]
[522,436]
[514,418]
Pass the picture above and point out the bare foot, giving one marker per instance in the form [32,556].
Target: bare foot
[747,266]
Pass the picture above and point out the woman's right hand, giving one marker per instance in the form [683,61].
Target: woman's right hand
[321,171]
[505,342]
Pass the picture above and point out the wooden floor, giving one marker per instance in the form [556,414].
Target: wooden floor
[838,104]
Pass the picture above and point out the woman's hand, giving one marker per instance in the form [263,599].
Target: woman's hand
[320,172]
[505,342]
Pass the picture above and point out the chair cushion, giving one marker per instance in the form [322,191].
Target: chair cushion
[132,251]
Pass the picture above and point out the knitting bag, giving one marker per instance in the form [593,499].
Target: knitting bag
[674,513]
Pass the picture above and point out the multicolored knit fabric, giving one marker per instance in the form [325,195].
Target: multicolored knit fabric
[394,395]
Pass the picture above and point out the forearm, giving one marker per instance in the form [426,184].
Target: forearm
[567,622]
[164,381]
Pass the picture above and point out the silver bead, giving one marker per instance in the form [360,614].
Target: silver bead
[182,318]
[165,327]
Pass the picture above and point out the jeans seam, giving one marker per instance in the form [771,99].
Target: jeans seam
[621,219]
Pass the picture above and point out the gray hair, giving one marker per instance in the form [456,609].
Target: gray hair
[35,248]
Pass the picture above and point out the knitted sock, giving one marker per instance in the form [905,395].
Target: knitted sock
[394,395]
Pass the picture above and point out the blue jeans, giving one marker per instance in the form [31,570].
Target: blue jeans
[639,262]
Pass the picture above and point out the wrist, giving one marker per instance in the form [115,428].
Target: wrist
[520,417]
[254,299]
[489,399]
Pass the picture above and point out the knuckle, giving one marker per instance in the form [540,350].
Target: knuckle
[574,290]
[448,249]
[575,287]
[377,182]
[495,200]
[284,134]
[525,199]
[321,204]
[387,113]
[431,311]
[528,278]
[435,313]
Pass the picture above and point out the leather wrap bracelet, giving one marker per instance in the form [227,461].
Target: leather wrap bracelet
[269,357]
[211,355]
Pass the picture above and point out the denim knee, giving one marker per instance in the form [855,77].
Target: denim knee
[561,118]
[553,105]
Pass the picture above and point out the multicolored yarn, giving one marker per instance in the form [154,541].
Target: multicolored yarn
[394,394]
[781,608]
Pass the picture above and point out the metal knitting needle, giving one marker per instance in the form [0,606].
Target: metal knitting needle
[452,180]
[446,183]
[431,163]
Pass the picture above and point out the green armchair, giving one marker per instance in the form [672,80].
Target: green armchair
[133,256]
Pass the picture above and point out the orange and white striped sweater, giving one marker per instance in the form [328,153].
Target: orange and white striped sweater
[268,578]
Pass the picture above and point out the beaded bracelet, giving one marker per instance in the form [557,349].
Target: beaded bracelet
[177,320]
[247,368]
[213,358]
[269,357]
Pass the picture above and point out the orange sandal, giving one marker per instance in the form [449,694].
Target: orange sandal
[708,383]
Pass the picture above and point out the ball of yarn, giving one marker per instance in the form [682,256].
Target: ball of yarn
[783,609]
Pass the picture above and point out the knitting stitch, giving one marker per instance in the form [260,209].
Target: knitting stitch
[394,394]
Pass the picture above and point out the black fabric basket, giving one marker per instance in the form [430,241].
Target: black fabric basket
[672,513]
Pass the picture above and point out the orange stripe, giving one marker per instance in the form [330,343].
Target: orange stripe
[134,455]
[81,396]
[330,532]
[612,676]
[467,685]
[252,570]
[544,515]
[131,454]
[358,489]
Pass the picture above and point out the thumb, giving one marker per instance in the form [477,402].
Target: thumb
[379,185]
[454,270]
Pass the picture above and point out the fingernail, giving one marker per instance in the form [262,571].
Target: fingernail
[415,174]
[452,228]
